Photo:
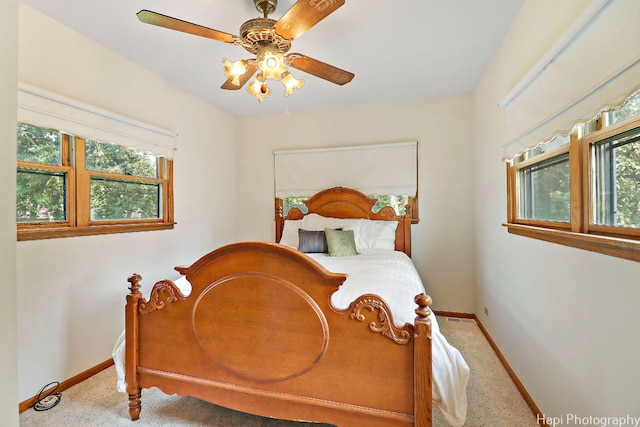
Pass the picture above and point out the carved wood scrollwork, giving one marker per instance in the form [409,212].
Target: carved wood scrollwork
[164,291]
[384,325]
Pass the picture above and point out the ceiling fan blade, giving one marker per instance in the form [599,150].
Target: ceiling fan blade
[251,70]
[303,15]
[320,69]
[154,18]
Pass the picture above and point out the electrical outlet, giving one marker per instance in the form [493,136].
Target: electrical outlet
[486,311]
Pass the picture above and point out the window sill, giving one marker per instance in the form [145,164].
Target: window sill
[617,247]
[60,232]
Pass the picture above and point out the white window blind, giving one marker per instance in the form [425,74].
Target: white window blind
[594,65]
[45,109]
[372,169]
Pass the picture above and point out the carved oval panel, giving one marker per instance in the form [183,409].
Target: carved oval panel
[260,327]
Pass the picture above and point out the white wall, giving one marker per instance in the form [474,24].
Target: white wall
[564,318]
[71,291]
[8,309]
[443,247]
[561,316]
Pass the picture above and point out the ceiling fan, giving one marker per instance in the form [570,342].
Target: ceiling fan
[269,40]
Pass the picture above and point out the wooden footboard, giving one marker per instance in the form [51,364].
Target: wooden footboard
[258,333]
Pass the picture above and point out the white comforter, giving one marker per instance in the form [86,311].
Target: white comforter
[392,276]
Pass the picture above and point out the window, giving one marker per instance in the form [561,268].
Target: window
[398,203]
[378,170]
[71,186]
[544,183]
[583,189]
[616,180]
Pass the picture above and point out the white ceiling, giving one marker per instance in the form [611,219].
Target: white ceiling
[398,49]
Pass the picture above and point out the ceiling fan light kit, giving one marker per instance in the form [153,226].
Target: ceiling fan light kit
[259,88]
[269,41]
[234,70]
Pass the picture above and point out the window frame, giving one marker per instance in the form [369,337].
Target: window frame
[622,242]
[78,181]
[588,142]
[558,151]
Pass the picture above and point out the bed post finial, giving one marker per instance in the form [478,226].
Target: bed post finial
[423,311]
[135,279]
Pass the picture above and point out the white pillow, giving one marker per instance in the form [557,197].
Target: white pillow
[368,234]
[315,222]
[375,234]
[290,233]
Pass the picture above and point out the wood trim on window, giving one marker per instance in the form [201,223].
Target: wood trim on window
[513,205]
[54,233]
[622,242]
[587,142]
[511,194]
[82,190]
[618,247]
[576,182]
[78,221]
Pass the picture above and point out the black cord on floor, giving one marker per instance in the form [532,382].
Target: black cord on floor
[49,400]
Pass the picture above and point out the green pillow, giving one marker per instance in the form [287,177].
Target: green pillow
[340,243]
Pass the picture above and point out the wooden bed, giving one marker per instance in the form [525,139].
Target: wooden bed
[258,334]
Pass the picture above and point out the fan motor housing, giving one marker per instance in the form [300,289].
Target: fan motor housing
[258,32]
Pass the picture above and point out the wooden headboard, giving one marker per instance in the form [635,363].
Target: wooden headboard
[341,202]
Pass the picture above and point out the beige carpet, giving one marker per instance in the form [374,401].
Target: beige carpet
[493,399]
